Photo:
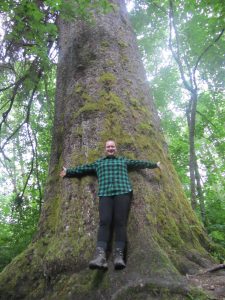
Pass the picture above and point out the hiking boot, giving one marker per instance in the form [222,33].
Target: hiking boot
[119,262]
[99,262]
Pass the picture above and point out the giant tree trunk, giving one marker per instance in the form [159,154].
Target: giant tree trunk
[102,93]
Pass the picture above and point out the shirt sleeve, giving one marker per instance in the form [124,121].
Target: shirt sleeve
[81,170]
[140,164]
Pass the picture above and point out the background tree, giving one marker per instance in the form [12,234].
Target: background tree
[102,92]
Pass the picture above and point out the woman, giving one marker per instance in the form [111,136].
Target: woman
[115,192]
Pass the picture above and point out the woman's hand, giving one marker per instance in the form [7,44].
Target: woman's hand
[63,172]
[159,165]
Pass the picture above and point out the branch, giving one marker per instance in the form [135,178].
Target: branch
[4,155]
[32,163]
[210,270]
[11,135]
[206,50]
[16,87]
[7,87]
[28,111]
[189,70]
[203,116]
[159,7]
[24,122]
[34,150]
[203,53]
[6,66]
[177,55]
[4,105]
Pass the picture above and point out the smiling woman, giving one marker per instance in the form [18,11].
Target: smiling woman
[115,193]
[110,148]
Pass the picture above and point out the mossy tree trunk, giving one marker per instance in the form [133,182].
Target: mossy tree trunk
[102,92]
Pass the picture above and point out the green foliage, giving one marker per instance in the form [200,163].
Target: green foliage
[17,227]
[216,214]
[27,93]
[83,8]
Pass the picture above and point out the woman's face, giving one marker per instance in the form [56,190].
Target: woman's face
[110,148]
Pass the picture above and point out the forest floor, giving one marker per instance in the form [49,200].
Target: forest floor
[213,283]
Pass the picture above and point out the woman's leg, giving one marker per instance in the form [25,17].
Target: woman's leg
[121,212]
[105,219]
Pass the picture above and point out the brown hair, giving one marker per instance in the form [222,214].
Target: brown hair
[110,140]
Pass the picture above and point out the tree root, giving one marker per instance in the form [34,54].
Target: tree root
[210,270]
[152,285]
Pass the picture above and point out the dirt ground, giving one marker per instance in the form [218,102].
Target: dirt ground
[213,283]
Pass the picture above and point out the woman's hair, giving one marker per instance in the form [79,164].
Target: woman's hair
[110,140]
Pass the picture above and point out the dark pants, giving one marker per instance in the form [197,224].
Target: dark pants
[113,210]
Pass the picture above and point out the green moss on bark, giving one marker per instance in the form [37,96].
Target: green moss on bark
[107,78]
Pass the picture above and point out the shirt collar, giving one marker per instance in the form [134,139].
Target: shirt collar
[110,157]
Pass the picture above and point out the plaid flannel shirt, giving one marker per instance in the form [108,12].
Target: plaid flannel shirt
[112,173]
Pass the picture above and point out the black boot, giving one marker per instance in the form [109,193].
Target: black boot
[119,262]
[99,262]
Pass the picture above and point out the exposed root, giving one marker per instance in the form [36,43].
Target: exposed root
[210,270]
[150,285]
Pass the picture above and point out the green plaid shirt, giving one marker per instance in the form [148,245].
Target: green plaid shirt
[112,173]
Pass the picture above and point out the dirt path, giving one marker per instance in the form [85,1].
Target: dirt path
[213,283]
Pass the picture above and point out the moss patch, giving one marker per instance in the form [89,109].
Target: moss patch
[145,128]
[105,44]
[111,102]
[122,44]
[52,208]
[108,102]
[108,78]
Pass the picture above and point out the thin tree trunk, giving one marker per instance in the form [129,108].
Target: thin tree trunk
[191,118]
[200,194]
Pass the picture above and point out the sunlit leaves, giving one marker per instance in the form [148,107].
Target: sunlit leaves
[84,8]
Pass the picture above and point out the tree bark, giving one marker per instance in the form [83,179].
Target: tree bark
[102,93]
[191,120]
[200,194]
